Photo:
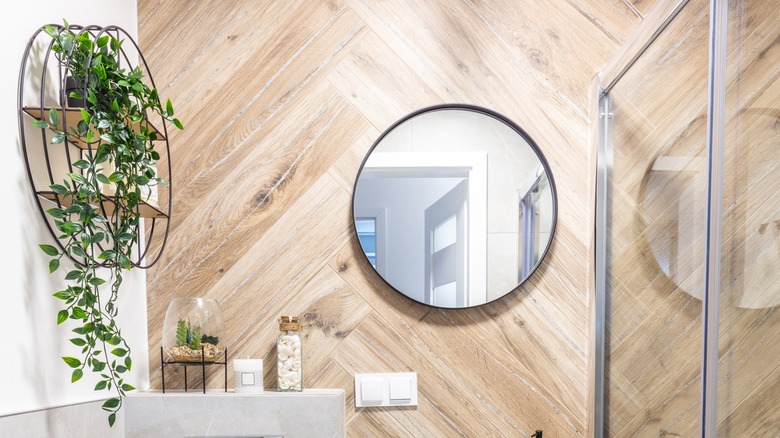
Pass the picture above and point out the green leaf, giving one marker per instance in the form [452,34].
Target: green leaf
[54,264]
[111,419]
[54,117]
[128,362]
[115,106]
[78,251]
[101,385]
[119,352]
[58,189]
[102,41]
[74,274]
[103,124]
[78,313]
[78,342]
[77,374]
[103,178]
[85,116]
[127,387]
[90,137]
[97,237]
[57,139]
[95,281]
[39,123]
[121,369]
[70,227]
[56,213]
[78,178]
[168,108]
[71,361]
[108,254]
[62,295]
[178,124]
[82,128]
[49,250]
[111,403]
[124,262]
[81,164]
[72,209]
[62,315]
[116,177]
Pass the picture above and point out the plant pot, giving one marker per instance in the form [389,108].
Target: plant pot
[193,331]
[77,84]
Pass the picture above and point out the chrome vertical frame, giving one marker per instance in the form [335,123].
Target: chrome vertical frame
[715,144]
[599,305]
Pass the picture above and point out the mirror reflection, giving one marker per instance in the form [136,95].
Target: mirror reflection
[454,206]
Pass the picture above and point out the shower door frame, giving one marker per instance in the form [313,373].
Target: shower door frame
[652,28]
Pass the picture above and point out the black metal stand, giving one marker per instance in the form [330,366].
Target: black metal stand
[202,364]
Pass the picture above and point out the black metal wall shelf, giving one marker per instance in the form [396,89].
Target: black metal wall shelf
[42,72]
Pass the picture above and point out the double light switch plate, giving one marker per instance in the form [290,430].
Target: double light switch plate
[385,389]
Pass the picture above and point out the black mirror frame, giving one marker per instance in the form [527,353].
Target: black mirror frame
[514,127]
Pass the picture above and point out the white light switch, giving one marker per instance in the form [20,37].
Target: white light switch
[385,389]
[371,390]
[400,388]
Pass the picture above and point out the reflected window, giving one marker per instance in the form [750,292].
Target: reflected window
[366,231]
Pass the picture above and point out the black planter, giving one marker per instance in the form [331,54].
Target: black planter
[77,84]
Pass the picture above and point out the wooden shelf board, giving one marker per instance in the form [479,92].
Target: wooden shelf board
[146,210]
[73,116]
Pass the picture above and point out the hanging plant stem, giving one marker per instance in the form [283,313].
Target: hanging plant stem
[100,240]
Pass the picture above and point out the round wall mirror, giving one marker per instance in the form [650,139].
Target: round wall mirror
[454,206]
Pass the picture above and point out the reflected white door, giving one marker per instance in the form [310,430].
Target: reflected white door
[446,249]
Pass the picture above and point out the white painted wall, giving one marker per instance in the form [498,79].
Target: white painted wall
[32,375]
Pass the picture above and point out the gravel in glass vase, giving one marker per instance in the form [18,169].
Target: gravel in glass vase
[193,330]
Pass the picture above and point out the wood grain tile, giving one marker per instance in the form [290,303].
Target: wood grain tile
[281,100]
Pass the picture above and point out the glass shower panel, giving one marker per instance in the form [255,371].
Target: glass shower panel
[655,235]
[749,345]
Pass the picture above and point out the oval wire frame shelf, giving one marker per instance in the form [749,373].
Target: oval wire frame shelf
[38,111]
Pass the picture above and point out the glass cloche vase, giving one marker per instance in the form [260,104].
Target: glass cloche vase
[193,330]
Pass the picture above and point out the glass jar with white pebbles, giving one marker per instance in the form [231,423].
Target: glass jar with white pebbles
[289,355]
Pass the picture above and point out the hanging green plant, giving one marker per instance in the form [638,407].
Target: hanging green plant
[114,122]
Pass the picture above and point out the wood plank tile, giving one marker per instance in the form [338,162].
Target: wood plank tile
[549,49]
[281,100]
[375,347]
[380,84]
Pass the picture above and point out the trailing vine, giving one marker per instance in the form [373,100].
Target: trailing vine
[97,234]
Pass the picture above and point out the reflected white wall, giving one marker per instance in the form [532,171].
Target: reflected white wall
[404,201]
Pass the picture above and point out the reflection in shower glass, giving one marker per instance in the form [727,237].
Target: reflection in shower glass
[656,235]
[748,388]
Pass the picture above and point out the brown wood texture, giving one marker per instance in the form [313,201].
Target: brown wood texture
[282,99]
[658,229]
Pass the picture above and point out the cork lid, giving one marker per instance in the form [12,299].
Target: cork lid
[289,323]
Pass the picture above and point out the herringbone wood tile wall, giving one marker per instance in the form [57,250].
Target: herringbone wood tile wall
[282,99]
